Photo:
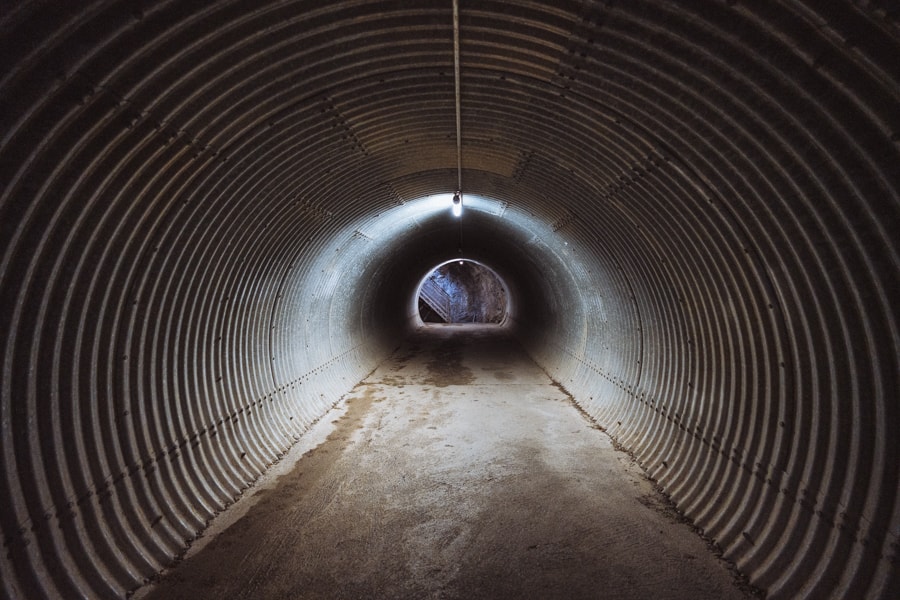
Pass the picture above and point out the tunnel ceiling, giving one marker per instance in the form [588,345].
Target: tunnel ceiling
[213,220]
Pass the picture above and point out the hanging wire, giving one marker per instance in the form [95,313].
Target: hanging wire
[458,196]
[458,103]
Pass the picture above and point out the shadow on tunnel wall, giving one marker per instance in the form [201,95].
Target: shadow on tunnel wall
[210,231]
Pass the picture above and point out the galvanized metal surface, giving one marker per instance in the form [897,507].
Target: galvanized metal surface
[208,236]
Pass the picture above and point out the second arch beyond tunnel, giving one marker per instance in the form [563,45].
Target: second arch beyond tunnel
[462,291]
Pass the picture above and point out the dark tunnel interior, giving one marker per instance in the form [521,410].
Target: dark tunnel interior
[214,219]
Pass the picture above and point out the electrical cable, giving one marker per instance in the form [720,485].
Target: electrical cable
[456,75]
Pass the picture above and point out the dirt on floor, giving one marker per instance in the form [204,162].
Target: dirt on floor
[457,470]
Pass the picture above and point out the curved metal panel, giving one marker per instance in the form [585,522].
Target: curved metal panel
[207,239]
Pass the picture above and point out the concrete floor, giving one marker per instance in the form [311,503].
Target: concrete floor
[458,469]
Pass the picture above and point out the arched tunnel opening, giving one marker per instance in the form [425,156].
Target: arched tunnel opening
[462,291]
[213,220]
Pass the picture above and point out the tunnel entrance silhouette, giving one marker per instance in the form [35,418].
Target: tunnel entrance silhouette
[462,291]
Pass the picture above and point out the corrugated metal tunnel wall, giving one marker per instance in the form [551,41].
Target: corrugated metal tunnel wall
[213,220]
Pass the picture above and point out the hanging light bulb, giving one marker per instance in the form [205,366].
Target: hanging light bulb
[457,204]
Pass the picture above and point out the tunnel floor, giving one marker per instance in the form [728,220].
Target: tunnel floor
[458,469]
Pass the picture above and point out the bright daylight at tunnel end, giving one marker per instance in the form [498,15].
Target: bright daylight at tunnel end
[217,218]
[462,291]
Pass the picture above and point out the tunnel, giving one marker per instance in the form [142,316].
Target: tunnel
[215,218]
[462,291]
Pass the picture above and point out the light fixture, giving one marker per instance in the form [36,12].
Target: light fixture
[457,204]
